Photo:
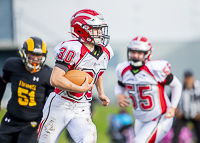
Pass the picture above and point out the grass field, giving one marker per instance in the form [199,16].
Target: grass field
[100,119]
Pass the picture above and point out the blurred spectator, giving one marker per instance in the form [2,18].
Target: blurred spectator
[120,128]
[185,136]
[189,106]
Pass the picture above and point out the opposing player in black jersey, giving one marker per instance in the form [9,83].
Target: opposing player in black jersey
[30,85]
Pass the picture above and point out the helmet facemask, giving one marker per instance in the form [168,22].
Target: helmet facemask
[140,44]
[99,37]
[134,61]
[32,66]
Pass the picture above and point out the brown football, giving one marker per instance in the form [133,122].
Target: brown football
[78,77]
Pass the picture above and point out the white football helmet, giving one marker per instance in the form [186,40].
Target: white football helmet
[139,44]
[86,19]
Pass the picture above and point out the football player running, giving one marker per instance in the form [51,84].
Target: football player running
[30,85]
[69,107]
[144,80]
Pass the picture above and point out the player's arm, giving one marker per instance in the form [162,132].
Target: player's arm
[176,89]
[101,95]
[5,77]
[120,88]
[119,92]
[58,80]
[3,84]
[49,87]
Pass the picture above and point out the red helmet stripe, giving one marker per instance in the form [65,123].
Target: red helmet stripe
[135,38]
[88,11]
[143,39]
[80,19]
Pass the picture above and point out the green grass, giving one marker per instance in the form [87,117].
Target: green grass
[2,112]
[100,118]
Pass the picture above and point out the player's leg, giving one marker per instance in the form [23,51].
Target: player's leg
[138,126]
[164,126]
[52,95]
[8,137]
[81,128]
[6,134]
[29,133]
[152,131]
[8,130]
[143,131]
[53,121]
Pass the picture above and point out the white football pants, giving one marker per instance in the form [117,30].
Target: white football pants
[152,131]
[59,113]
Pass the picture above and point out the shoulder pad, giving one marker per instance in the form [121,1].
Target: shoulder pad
[68,51]
[11,64]
[111,53]
[120,68]
[159,68]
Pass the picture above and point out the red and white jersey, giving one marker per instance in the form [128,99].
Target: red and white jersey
[146,88]
[78,57]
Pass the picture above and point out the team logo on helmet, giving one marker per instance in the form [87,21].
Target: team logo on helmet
[85,20]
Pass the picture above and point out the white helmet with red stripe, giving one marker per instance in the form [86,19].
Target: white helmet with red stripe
[142,44]
[85,20]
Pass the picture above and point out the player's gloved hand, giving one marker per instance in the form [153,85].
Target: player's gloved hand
[86,86]
[170,112]
[105,100]
[122,100]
